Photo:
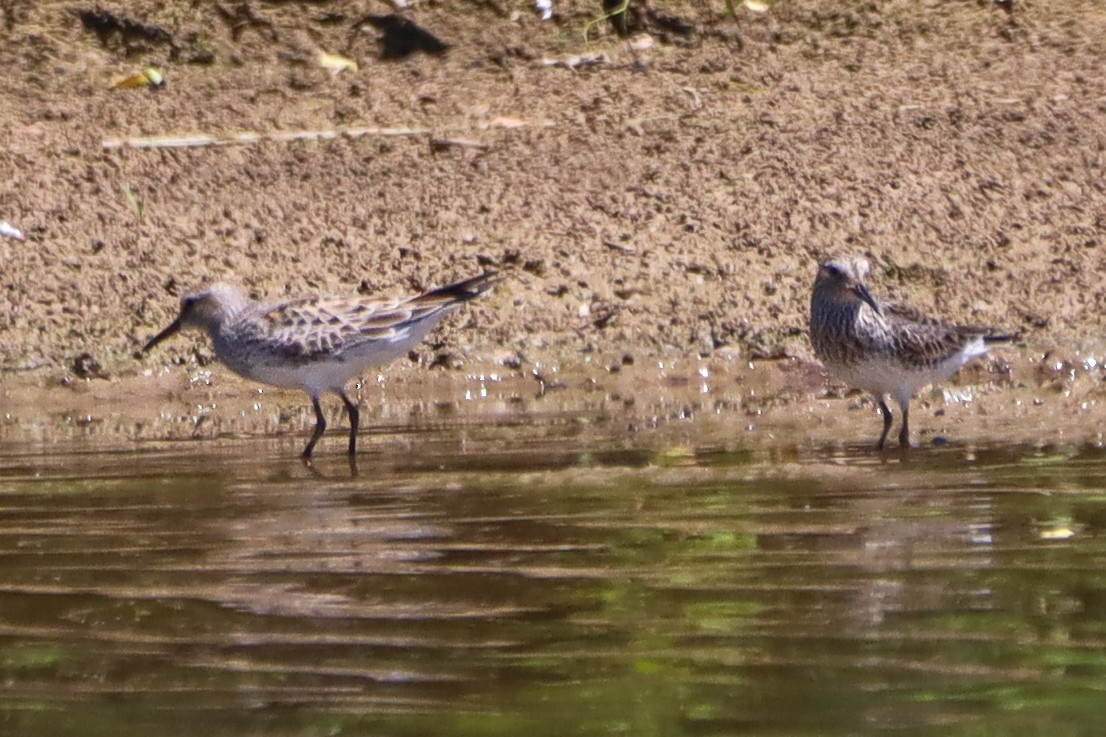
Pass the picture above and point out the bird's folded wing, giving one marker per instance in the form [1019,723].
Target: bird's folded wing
[306,328]
[919,338]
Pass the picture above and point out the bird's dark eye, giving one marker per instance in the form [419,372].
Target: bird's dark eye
[834,270]
[187,302]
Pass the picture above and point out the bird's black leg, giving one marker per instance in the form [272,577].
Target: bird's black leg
[320,427]
[904,434]
[354,421]
[886,412]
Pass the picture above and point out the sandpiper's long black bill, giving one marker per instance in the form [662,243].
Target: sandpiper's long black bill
[173,328]
[862,292]
[1001,337]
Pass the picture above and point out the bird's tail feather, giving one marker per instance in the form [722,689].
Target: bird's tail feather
[462,291]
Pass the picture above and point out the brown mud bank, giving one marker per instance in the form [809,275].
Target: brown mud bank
[663,196]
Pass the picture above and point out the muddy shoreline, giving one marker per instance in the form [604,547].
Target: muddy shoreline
[718,402]
[665,201]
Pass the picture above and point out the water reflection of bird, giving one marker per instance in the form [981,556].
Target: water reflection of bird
[885,349]
[315,343]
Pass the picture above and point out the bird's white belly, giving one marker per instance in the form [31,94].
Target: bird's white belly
[312,377]
[883,376]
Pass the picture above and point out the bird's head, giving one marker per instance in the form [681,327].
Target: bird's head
[842,282]
[204,310]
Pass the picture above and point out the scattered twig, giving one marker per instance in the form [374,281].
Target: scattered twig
[620,247]
[580,61]
[132,200]
[637,125]
[696,100]
[235,139]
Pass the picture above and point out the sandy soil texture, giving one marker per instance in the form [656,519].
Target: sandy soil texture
[660,196]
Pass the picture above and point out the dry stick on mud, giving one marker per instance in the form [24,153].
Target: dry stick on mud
[233,139]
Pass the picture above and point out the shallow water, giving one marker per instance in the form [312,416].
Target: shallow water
[540,580]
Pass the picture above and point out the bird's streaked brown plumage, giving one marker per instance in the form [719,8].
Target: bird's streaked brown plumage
[885,349]
[315,343]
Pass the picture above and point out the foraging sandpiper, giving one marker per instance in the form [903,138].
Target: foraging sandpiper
[316,343]
[882,348]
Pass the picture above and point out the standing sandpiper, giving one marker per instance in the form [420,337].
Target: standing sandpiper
[885,349]
[316,344]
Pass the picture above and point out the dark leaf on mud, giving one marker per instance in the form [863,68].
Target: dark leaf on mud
[439,360]
[107,25]
[202,56]
[670,28]
[604,316]
[242,16]
[332,18]
[400,37]
[87,367]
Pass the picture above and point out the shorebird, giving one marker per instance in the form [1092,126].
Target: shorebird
[881,348]
[315,343]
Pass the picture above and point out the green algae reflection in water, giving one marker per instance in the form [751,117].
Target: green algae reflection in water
[590,592]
